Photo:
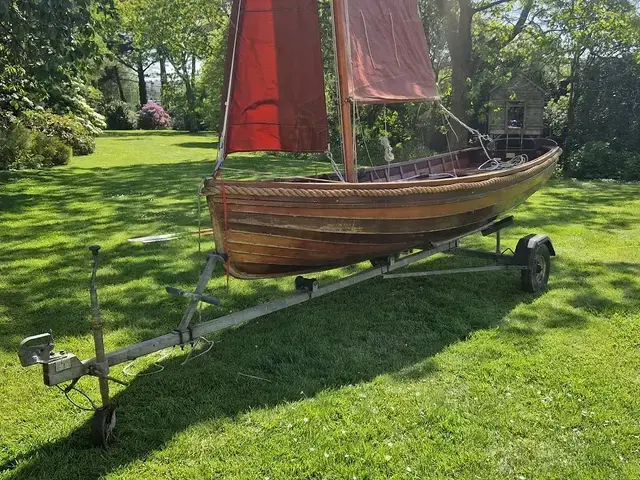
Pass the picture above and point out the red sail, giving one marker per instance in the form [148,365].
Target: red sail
[388,49]
[277,98]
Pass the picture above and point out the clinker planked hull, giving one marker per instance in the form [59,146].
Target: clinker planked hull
[279,228]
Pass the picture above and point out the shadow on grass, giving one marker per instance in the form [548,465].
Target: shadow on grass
[580,203]
[49,217]
[209,145]
[162,133]
[348,337]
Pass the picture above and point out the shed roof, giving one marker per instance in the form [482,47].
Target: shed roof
[516,79]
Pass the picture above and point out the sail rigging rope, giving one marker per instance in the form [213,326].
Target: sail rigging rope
[471,130]
[225,123]
[449,146]
[354,139]
[498,164]
[482,137]
[366,146]
[226,230]
[334,165]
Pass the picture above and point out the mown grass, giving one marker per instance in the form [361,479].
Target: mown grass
[441,377]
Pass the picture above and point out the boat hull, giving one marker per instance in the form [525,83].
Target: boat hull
[280,228]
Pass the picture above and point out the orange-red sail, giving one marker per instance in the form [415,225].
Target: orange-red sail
[277,100]
[388,52]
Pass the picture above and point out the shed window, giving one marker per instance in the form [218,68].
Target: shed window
[515,115]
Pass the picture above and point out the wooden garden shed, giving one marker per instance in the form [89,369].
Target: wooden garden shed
[518,108]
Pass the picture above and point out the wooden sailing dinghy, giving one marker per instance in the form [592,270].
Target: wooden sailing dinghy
[275,101]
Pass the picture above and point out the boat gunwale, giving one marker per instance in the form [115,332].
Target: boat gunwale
[211,187]
[249,201]
[399,207]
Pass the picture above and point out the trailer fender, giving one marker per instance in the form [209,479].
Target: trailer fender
[528,244]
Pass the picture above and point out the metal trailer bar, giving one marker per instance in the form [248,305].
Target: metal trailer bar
[531,256]
[490,268]
[177,337]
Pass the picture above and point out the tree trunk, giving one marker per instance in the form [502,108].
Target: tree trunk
[142,84]
[163,78]
[573,92]
[458,32]
[191,120]
[116,75]
[574,95]
[190,87]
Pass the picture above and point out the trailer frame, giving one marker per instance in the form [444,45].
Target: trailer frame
[531,257]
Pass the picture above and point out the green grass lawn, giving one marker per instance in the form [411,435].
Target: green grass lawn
[440,377]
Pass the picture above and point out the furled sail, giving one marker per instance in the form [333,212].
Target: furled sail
[388,52]
[274,71]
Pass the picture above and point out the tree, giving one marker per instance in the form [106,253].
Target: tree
[45,52]
[128,48]
[585,32]
[458,26]
[608,107]
[182,32]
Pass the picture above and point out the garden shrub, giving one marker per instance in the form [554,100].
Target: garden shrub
[153,116]
[74,103]
[630,166]
[48,151]
[67,128]
[82,144]
[178,120]
[15,145]
[599,160]
[119,115]
[592,160]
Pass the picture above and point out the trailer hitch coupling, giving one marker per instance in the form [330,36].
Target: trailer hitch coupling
[56,367]
[36,349]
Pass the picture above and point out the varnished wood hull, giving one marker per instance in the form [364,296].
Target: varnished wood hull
[279,228]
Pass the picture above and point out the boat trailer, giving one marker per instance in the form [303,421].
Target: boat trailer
[531,258]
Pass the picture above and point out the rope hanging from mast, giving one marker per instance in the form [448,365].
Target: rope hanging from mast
[482,137]
[225,122]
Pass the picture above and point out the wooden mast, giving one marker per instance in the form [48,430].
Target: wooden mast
[348,151]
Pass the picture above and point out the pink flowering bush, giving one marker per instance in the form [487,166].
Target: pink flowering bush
[153,117]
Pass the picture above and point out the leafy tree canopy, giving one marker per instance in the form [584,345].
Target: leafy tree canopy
[45,49]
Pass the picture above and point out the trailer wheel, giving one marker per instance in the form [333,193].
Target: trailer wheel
[536,276]
[384,261]
[103,426]
[306,284]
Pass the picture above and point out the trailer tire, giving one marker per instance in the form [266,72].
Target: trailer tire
[306,284]
[103,426]
[384,261]
[536,276]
